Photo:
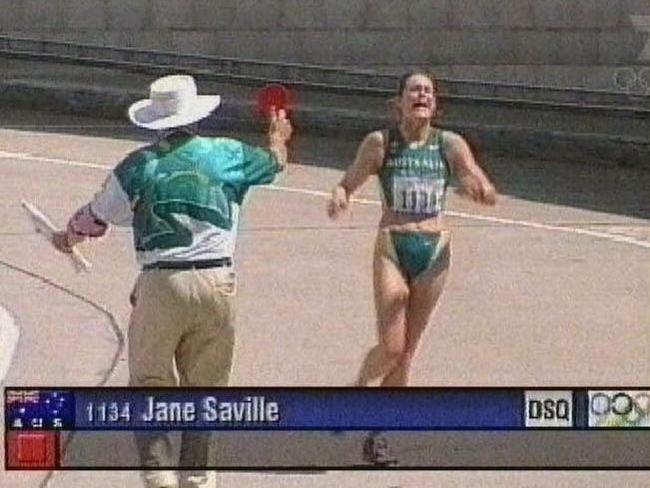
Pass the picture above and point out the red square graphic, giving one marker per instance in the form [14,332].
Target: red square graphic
[32,450]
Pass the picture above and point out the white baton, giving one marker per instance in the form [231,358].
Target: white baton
[44,225]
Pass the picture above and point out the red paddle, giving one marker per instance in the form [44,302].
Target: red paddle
[274,95]
[282,98]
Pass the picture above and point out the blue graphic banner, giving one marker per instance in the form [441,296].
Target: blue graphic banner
[265,409]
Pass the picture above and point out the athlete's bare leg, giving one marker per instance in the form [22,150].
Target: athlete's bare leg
[424,294]
[391,300]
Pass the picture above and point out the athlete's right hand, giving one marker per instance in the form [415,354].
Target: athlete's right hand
[338,202]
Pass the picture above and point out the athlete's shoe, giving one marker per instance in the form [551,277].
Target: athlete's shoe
[160,479]
[377,452]
[207,479]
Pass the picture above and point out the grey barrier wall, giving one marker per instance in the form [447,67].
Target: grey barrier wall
[592,43]
[518,141]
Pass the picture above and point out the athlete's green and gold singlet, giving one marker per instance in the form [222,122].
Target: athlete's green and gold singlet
[414,181]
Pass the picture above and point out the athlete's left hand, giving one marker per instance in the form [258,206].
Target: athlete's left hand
[478,189]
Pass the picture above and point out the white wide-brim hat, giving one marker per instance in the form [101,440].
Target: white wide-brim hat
[173,102]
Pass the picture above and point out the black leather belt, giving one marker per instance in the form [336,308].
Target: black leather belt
[203,264]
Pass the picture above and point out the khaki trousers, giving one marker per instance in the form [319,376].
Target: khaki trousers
[181,324]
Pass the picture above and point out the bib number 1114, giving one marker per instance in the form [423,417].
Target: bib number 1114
[417,196]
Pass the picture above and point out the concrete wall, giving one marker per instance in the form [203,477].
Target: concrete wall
[560,42]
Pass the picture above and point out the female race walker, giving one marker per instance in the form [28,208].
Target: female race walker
[414,162]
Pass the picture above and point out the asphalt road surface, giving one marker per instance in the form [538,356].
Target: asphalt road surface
[548,288]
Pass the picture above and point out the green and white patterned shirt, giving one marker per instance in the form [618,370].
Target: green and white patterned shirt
[182,196]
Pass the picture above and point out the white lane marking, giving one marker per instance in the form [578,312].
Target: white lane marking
[521,223]
[66,126]
[41,159]
[486,218]
[9,335]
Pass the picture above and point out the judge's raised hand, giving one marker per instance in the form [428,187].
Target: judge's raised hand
[280,128]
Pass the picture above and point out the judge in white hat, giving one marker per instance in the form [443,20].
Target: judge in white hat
[182,197]
[173,102]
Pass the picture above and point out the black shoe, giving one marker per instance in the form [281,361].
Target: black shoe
[377,452]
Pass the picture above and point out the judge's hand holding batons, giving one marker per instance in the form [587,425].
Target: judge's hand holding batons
[61,242]
[60,239]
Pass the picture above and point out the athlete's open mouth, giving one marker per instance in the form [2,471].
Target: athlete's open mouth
[420,105]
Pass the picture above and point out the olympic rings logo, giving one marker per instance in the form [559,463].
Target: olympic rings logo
[634,406]
[633,81]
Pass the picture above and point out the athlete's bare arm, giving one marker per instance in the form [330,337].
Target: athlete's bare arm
[470,175]
[367,162]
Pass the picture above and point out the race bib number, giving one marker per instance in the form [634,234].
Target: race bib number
[415,195]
